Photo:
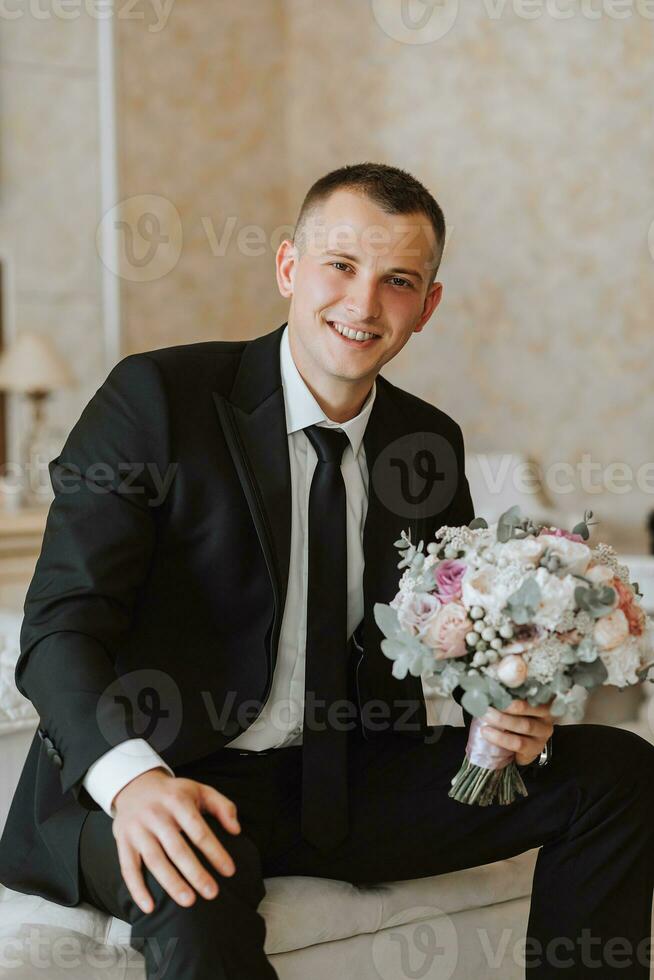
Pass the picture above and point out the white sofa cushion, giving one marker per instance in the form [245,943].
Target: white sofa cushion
[304,911]
[16,712]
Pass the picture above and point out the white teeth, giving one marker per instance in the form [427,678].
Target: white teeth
[352,334]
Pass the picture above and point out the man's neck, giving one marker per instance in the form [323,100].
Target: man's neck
[340,400]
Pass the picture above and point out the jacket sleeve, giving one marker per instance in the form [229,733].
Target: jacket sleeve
[109,481]
[461,512]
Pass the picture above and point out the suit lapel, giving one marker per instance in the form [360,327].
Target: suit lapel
[390,432]
[254,422]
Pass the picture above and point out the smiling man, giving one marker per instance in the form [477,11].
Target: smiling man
[215,706]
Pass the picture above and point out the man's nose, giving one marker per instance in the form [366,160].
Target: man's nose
[363,301]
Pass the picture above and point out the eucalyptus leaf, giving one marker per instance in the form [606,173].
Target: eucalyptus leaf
[500,697]
[582,529]
[507,523]
[393,649]
[474,682]
[560,682]
[386,619]
[477,523]
[589,675]
[523,603]
[559,706]
[475,703]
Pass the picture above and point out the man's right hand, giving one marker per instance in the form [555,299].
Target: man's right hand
[151,812]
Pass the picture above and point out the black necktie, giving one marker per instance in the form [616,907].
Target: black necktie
[324,737]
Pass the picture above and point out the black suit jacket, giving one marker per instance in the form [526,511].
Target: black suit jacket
[164,605]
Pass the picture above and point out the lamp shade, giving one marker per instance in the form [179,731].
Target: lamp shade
[32,363]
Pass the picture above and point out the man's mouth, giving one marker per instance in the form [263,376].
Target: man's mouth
[362,338]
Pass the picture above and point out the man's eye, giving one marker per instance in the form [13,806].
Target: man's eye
[340,263]
[399,279]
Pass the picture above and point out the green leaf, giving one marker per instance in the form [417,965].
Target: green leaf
[475,702]
[474,682]
[589,675]
[523,603]
[559,706]
[507,523]
[393,649]
[500,697]
[582,529]
[477,522]
[386,619]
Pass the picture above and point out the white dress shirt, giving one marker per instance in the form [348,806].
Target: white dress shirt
[280,721]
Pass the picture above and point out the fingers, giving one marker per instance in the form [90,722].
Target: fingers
[522,745]
[221,807]
[130,868]
[200,833]
[539,727]
[523,707]
[172,882]
[184,857]
[149,831]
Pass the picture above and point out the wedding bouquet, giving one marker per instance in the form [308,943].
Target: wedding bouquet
[513,610]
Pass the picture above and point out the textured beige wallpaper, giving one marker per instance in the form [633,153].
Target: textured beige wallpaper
[202,127]
[535,133]
[49,197]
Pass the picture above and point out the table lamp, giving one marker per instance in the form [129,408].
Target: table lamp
[32,366]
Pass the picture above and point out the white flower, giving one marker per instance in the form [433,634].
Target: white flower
[612,630]
[557,597]
[512,671]
[544,659]
[600,574]
[490,587]
[574,555]
[622,662]
[525,552]
[584,622]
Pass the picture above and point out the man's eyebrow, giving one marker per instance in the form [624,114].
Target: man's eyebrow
[353,258]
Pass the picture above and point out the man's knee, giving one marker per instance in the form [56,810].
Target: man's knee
[621,759]
[245,885]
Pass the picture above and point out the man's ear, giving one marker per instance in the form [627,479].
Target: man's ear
[286,261]
[432,299]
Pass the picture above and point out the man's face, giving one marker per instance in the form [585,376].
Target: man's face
[361,268]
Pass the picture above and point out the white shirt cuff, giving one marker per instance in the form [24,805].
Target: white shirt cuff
[117,767]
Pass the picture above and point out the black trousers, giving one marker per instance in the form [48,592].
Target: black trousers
[591,809]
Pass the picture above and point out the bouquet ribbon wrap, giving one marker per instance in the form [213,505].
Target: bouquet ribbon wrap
[488,774]
[481,752]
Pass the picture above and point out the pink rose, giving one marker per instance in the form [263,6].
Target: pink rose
[449,574]
[556,532]
[447,630]
[415,610]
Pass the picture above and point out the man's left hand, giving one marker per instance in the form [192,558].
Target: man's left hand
[523,728]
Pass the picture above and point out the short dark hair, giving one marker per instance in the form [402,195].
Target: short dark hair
[395,191]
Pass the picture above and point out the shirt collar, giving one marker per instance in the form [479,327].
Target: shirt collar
[303,410]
